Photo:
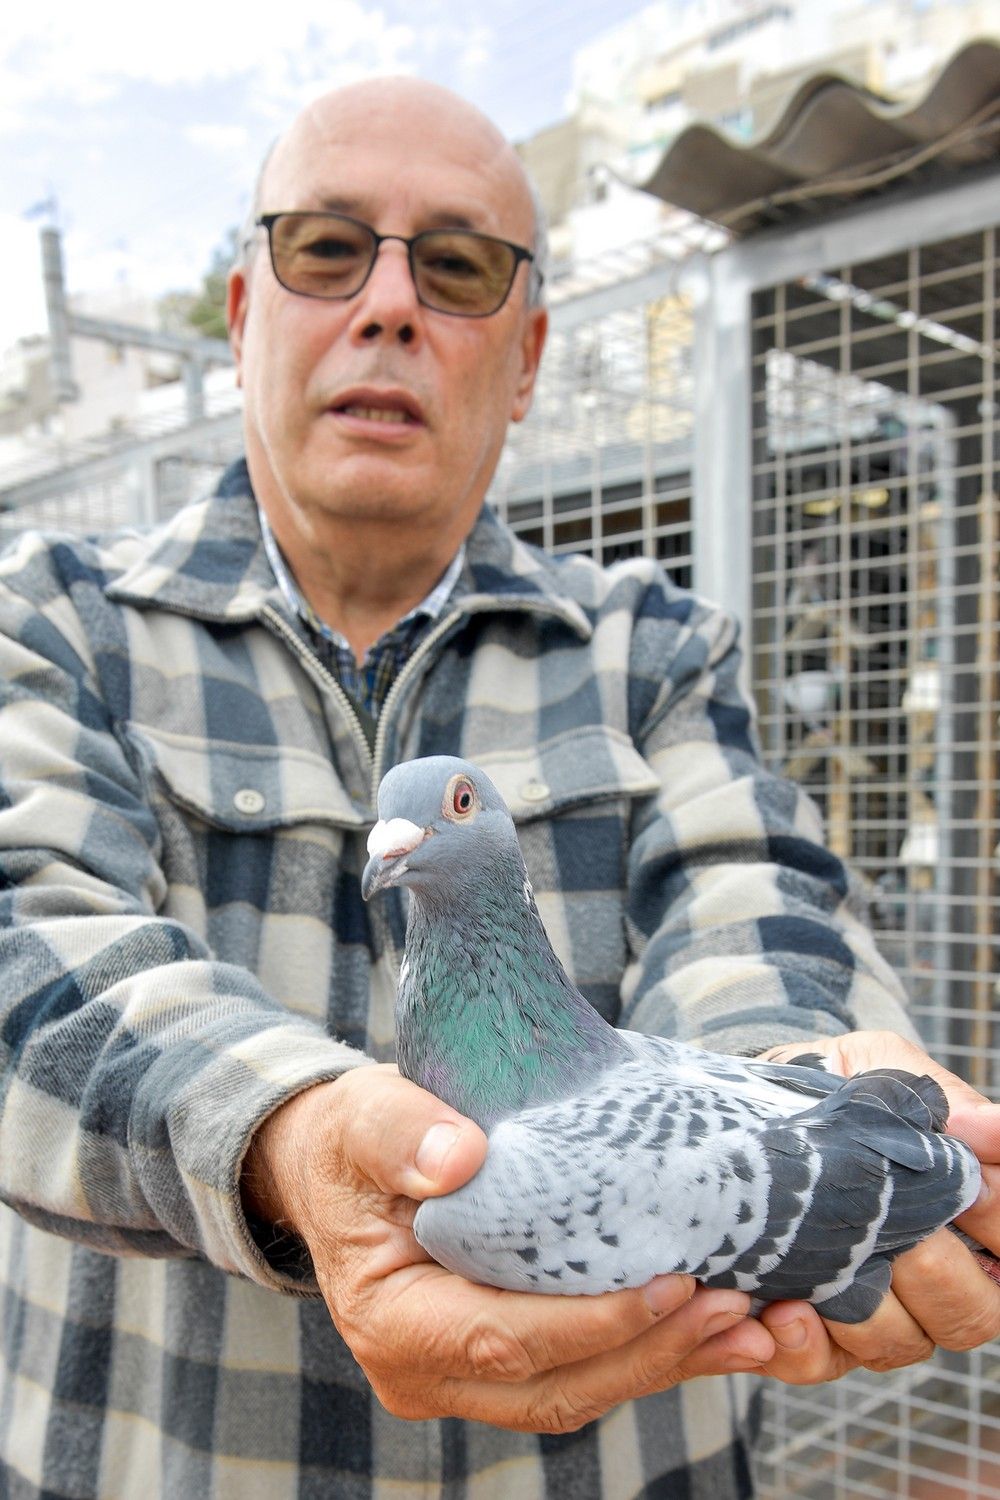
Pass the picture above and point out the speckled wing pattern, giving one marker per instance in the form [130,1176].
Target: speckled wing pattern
[783,1181]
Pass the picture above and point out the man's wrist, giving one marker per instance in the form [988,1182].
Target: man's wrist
[273,1185]
[274,1174]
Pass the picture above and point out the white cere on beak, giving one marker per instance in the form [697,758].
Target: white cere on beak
[397,836]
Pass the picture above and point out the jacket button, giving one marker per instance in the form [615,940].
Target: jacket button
[249,801]
[534,791]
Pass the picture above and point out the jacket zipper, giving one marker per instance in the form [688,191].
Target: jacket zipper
[428,642]
[317,669]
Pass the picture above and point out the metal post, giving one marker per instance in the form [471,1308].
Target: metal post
[194,389]
[60,356]
[721,505]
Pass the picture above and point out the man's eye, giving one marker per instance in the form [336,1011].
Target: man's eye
[451,265]
[330,249]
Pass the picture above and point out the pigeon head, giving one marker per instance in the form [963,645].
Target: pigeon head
[443,827]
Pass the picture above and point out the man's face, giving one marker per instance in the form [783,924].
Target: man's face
[377,408]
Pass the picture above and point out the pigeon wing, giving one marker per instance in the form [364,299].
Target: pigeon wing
[640,1175]
[883,1178]
[648,1174]
[773,1089]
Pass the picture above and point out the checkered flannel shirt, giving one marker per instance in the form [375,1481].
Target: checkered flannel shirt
[185,795]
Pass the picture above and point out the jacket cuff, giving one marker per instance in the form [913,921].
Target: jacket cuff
[211,1124]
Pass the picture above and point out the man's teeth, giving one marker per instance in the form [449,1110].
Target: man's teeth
[377,413]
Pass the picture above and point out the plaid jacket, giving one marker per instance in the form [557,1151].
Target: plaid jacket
[184,805]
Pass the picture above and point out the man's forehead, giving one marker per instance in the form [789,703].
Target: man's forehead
[424,144]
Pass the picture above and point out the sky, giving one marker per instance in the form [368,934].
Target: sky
[145,124]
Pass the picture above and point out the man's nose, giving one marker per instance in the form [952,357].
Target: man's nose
[387,305]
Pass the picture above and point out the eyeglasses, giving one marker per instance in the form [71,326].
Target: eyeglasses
[329,255]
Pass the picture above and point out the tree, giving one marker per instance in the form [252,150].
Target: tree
[204,310]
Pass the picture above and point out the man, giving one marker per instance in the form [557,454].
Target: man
[192,727]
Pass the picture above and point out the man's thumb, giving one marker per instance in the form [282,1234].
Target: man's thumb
[405,1140]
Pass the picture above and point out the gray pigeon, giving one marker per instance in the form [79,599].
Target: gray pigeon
[613,1156]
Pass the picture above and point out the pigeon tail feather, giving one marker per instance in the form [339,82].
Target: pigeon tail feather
[862,1298]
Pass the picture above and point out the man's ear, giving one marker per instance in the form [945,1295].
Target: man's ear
[536,326]
[237,299]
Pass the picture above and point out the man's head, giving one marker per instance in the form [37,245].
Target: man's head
[377,408]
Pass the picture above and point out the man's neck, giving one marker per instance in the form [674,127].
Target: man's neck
[359,581]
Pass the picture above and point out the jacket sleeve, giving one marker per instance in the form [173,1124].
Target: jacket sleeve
[747,931]
[133,1067]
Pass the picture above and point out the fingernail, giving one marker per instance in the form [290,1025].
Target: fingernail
[668,1293]
[789,1335]
[985,1193]
[434,1148]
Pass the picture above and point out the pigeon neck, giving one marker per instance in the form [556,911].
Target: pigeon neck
[487,1018]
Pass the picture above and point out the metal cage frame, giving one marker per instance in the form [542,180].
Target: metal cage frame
[933,1430]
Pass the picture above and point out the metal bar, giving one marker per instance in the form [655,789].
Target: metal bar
[887,227]
[620,296]
[93,470]
[721,503]
[208,351]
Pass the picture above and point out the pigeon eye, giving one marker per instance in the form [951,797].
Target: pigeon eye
[461,799]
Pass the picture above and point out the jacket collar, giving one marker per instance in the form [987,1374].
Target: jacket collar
[209,562]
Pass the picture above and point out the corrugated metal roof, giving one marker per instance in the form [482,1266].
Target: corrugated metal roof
[834,143]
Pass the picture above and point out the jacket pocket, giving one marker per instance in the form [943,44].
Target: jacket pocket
[581,766]
[246,788]
[256,844]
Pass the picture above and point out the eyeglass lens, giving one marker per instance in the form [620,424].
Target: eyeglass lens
[455,270]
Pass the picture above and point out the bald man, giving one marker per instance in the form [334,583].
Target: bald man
[212,1288]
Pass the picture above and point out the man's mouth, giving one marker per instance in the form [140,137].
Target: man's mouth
[388,407]
[376,413]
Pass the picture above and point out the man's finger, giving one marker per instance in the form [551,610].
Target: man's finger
[448,1326]
[963,1308]
[982,1220]
[805,1354]
[887,1340]
[976,1122]
[565,1398]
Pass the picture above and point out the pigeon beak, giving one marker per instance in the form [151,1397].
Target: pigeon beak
[388,845]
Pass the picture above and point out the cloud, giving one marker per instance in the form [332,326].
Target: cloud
[25,313]
[147,123]
[476,50]
[83,54]
[220,139]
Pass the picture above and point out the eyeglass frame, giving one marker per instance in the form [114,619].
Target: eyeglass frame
[266,222]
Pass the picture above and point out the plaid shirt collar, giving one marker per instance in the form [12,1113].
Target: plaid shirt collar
[368,682]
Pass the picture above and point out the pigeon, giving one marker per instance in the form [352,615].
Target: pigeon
[613,1156]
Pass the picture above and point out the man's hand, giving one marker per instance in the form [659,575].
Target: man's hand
[940,1296]
[342,1166]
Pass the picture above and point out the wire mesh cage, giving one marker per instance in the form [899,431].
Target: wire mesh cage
[876,526]
[134,474]
[603,465]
